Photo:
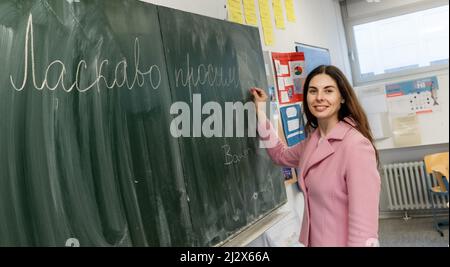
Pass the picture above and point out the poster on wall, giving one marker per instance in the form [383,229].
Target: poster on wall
[293,126]
[413,97]
[293,133]
[314,56]
[290,76]
[406,131]
[289,174]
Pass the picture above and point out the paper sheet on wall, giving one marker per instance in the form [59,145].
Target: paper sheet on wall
[284,97]
[288,81]
[284,69]
[374,104]
[298,75]
[235,11]
[291,112]
[290,10]
[414,96]
[373,99]
[293,125]
[250,12]
[290,76]
[278,13]
[379,125]
[266,22]
[406,131]
[399,105]
[281,84]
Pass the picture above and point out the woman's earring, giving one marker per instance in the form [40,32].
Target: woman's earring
[342,101]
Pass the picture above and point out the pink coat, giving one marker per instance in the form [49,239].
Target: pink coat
[340,182]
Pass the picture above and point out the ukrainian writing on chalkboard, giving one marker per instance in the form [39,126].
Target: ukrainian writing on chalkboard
[215,76]
[120,77]
[231,158]
[99,110]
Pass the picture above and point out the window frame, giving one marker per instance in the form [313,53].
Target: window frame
[380,15]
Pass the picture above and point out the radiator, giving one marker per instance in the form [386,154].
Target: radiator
[407,186]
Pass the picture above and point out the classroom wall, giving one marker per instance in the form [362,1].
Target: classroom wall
[318,23]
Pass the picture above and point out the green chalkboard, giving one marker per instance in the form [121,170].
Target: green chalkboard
[86,152]
[229,180]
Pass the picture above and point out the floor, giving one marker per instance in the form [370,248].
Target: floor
[415,232]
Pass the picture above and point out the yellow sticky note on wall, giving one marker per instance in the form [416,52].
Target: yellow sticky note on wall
[235,11]
[278,13]
[290,10]
[266,21]
[250,12]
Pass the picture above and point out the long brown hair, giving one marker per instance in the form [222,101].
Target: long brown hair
[350,108]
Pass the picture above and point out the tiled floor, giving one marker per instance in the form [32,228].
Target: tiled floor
[415,232]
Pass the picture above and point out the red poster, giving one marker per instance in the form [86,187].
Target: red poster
[290,76]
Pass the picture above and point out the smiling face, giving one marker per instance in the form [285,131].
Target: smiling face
[324,98]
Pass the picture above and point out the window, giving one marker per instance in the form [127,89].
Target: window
[400,45]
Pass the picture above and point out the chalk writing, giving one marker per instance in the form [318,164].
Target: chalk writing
[214,76]
[120,73]
[234,158]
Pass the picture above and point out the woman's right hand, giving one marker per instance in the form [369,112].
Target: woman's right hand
[259,98]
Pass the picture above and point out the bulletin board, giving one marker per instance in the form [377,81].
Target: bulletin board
[314,56]
[408,112]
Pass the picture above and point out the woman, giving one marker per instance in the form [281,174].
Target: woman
[338,162]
